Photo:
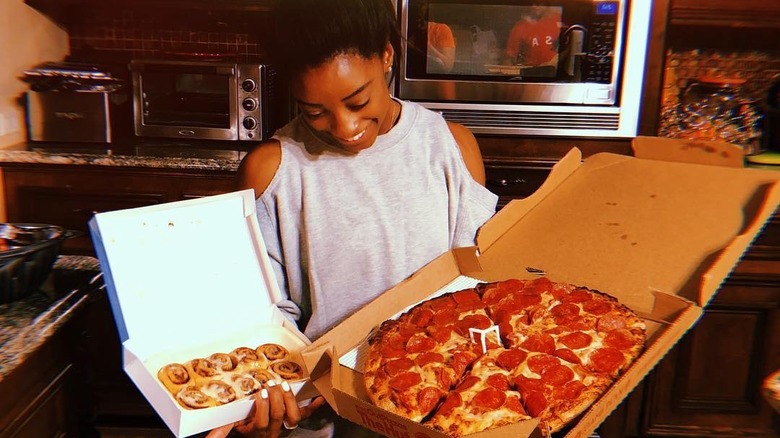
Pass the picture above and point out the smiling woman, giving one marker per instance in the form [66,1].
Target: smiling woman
[360,190]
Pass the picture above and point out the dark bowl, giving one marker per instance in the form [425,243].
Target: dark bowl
[27,254]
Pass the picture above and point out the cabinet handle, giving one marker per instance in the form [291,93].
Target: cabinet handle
[503,182]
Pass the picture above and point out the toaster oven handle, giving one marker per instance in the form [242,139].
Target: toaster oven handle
[184,68]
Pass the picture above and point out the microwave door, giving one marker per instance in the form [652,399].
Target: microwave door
[186,101]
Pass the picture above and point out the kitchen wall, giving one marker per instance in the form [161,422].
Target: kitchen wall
[26,38]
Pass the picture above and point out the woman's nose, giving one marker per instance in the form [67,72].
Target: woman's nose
[344,125]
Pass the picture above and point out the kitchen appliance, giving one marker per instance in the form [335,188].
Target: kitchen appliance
[541,67]
[74,102]
[206,100]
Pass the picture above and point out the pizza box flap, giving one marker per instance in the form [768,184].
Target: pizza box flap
[715,153]
[629,226]
[195,260]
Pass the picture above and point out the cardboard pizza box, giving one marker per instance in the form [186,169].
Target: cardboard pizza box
[660,236]
[185,280]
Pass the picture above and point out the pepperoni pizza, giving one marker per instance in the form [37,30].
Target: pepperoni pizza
[442,363]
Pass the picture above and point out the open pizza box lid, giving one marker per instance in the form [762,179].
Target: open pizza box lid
[660,236]
[185,280]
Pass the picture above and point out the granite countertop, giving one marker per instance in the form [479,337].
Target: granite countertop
[27,323]
[220,157]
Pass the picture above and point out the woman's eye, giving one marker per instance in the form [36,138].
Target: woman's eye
[312,116]
[359,106]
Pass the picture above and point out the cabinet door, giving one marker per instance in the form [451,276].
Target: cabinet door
[744,13]
[46,415]
[709,385]
[69,196]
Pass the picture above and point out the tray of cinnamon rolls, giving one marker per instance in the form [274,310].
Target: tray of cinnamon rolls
[224,377]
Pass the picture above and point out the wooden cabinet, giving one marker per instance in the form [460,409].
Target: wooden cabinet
[726,13]
[69,196]
[40,398]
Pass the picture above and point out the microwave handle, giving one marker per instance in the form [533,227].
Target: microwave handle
[574,53]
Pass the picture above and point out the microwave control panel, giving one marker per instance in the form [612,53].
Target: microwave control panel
[601,44]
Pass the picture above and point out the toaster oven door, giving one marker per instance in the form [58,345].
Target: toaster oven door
[185,100]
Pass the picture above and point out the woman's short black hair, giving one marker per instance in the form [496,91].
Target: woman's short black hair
[308,33]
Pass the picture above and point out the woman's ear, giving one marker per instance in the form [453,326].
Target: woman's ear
[387,57]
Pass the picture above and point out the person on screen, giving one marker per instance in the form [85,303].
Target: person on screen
[534,39]
[441,48]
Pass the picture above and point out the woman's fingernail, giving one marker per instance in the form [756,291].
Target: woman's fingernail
[286,386]
[264,394]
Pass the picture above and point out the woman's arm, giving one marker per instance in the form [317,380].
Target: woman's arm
[259,166]
[469,149]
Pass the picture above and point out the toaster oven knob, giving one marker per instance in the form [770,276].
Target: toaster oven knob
[248,85]
[250,123]
[249,104]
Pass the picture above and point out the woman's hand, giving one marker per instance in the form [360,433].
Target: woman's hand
[275,408]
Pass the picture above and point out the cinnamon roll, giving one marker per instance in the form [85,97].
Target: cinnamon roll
[287,370]
[191,397]
[245,384]
[261,375]
[273,351]
[248,358]
[202,369]
[223,362]
[174,377]
[219,391]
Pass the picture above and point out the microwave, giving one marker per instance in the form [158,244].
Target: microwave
[527,67]
[203,100]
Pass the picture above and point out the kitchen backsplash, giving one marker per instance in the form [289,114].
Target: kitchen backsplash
[131,34]
[752,72]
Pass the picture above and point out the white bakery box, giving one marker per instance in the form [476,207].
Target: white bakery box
[185,280]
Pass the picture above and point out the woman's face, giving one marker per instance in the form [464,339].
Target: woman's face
[346,101]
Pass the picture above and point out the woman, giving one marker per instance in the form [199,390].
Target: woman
[360,190]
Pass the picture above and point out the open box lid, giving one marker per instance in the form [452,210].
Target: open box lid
[197,265]
[629,226]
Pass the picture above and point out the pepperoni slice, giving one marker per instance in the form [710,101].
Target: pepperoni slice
[498,381]
[421,317]
[419,343]
[607,360]
[621,339]
[445,316]
[610,322]
[443,376]
[396,366]
[460,361]
[510,359]
[535,403]
[466,296]
[524,301]
[557,375]
[441,334]
[490,398]
[511,285]
[513,404]
[596,307]
[443,302]
[540,342]
[467,383]
[569,391]
[568,356]
[453,401]
[388,350]
[429,357]
[526,385]
[406,331]
[475,321]
[405,380]
[506,329]
[541,362]
[539,285]
[428,398]
[493,294]
[576,340]
[577,296]
[565,310]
